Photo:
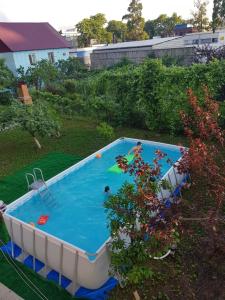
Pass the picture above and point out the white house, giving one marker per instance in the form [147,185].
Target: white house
[24,44]
[215,39]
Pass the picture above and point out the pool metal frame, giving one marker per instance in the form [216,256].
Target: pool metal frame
[68,260]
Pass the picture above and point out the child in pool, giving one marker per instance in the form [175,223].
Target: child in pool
[107,192]
[136,149]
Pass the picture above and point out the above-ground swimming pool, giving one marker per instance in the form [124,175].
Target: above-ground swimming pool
[77,219]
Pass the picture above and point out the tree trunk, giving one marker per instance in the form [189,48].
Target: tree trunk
[37,142]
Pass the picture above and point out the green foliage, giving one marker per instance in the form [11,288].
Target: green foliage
[93,28]
[42,74]
[199,16]
[149,95]
[163,25]
[65,105]
[45,75]
[218,16]
[169,61]
[137,229]
[5,97]
[104,109]
[122,63]
[140,274]
[150,78]
[118,30]
[106,131]
[127,260]
[37,119]
[135,22]
[6,77]
[71,68]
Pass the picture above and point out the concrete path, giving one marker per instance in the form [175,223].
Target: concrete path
[7,294]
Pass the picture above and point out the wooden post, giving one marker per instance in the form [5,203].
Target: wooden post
[136,295]
[23,93]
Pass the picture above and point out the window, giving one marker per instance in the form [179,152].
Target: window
[32,59]
[195,42]
[51,57]
[206,41]
[188,42]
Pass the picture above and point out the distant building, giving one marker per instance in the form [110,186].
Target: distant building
[180,47]
[183,29]
[24,44]
[215,39]
[71,36]
[84,54]
[135,51]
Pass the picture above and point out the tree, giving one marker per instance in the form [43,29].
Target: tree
[6,77]
[141,225]
[118,30]
[135,22]
[44,73]
[205,162]
[93,28]
[37,119]
[71,68]
[162,26]
[218,17]
[207,53]
[200,19]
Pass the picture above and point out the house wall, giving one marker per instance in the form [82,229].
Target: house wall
[216,39]
[14,60]
[21,58]
[9,61]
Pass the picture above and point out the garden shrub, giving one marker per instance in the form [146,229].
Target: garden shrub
[149,95]
[106,131]
[5,98]
[70,85]
[65,105]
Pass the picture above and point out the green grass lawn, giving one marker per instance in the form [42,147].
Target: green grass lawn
[17,152]
[79,137]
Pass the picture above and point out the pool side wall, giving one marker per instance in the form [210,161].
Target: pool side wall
[70,261]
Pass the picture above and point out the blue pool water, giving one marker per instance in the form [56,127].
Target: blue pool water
[79,216]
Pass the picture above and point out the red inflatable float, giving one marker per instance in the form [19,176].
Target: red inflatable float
[42,220]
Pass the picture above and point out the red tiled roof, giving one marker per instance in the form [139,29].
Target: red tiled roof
[29,36]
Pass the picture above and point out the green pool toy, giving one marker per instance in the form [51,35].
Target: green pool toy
[116,169]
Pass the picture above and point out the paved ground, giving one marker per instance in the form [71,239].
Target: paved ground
[7,294]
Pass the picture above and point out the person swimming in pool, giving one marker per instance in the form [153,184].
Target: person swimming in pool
[136,150]
[107,192]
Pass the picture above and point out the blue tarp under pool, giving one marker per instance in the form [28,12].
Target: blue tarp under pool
[83,293]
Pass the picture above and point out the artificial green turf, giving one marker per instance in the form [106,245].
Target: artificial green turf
[12,187]
[10,279]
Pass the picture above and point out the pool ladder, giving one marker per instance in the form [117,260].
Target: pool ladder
[35,181]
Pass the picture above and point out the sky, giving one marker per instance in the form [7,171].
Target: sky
[66,13]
